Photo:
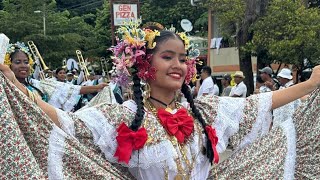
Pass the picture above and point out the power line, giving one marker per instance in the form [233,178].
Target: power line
[98,2]
[81,5]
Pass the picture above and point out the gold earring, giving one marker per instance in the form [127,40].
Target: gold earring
[147,91]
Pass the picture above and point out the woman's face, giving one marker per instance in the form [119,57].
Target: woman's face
[170,63]
[20,65]
[61,76]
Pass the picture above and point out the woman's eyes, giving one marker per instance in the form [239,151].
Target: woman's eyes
[19,62]
[170,57]
[167,57]
[183,60]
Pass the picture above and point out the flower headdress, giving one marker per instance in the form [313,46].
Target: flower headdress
[130,54]
[12,48]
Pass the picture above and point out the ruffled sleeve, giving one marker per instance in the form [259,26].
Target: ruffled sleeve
[61,95]
[238,121]
[104,96]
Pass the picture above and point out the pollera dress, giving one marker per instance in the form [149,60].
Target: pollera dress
[84,146]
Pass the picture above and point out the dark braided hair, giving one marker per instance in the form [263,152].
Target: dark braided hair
[137,90]
[186,91]
[138,98]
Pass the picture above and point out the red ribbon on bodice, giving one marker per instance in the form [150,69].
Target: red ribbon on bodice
[129,140]
[212,135]
[179,124]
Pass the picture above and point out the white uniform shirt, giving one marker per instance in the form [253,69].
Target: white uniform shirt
[240,90]
[207,87]
[88,83]
[288,84]
[216,90]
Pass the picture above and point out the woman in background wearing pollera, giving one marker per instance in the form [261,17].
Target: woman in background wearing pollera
[60,95]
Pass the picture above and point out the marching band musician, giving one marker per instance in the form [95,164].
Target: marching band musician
[91,80]
[49,74]
[71,78]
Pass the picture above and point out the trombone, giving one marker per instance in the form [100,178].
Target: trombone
[42,65]
[83,65]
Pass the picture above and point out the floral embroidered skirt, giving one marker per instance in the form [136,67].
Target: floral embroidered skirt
[27,136]
[25,132]
[289,151]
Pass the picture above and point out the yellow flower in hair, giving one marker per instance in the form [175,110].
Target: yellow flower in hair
[30,61]
[150,36]
[185,39]
[7,60]
[194,78]
[129,39]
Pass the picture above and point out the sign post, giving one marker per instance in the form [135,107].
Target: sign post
[123,11]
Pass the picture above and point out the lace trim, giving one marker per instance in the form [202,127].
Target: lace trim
[65,96]
[67,124]
[230,114]
[72,98]
[290,161]
[285,112]
[105,96]
[161,155]
[262,124]
[55,154]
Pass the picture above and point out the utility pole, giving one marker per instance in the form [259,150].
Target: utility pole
[44,19]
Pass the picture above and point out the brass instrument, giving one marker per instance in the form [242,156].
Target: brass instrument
[83,65]
[34,50]
[105,72]
[64,63]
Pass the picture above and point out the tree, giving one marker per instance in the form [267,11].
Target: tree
[237,17]
[65,34]
[289,32]
[169,12]
[79,7]
[103,28]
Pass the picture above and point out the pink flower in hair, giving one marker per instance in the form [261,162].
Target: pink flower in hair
[191,70]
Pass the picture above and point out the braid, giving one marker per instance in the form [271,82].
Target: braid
[185,90]
[138,98]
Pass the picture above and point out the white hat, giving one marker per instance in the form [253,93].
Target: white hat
[285,73]
[239,74]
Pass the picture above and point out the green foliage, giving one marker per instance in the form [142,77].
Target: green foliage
[79,7]
[77,24]
[230,14]
[169,12]
[289,32]
[103,29]
[202,24]
[64,34]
